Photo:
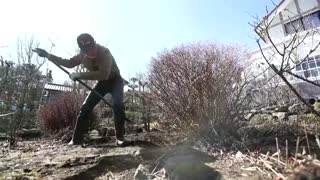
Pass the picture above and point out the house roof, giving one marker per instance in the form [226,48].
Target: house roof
[57,87]
[275,11]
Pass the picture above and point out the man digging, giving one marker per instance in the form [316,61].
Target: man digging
[103,68]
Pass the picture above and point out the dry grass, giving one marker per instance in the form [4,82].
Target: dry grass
[296,166]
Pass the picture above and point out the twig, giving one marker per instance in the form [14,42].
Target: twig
[317,140]
[158,172]
[157,177]
[278,150]
[158,162]
[287,152]
[279,161]
[249,158]
[307,139]
[112,175]
[302,78]
[166,144]
[297,147]
[270,167]
[8,114]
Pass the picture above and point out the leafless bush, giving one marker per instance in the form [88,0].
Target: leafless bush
[200,87]
[21,84]
[62,113]
[267,90]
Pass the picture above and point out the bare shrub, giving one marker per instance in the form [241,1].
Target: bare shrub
[200,88]
[62,113]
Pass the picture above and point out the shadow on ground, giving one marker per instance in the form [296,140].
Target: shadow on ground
[114,164]
[182,163]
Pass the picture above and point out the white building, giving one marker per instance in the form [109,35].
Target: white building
[292,19]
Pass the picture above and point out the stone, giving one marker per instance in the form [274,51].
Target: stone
[142,173]
[239,155]
[261,119]
[282,109]
[297,108]
[280,115]
[249,115]
[94,133]
[268,109]
[293,118]
[316,106]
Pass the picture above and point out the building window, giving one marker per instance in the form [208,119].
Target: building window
[312,21]
[309,68]
[304,23]
[294,26]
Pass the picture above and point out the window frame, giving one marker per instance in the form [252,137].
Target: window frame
[304,24]
[306,70]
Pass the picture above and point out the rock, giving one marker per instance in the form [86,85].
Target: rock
[142,173]
[249,116]
[253,111]
[316,106]
[293,118]
[94,133]
[280,115]
[297,108]
[5,145]
[261,119]
[282,109]
[29,133]
[239,155]
[137,153]
[268,109]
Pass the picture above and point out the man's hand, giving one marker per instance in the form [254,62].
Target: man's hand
[74,76]
[41,52]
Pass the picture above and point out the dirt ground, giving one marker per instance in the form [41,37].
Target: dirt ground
[101,159]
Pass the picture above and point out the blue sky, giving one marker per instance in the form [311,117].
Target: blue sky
[134,31]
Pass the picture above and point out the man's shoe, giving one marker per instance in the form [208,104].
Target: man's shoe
[122,143]
[73,142]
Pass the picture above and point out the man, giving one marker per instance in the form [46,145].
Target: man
[102,67]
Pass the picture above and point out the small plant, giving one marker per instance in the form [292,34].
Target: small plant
[62,113]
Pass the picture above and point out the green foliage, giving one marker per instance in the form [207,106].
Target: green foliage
[21,86]
[132,115]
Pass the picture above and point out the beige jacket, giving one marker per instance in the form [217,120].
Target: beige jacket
[103,67]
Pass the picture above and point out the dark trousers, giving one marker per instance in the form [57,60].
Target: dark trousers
[113,86]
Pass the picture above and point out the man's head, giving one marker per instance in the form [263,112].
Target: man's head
[87,45]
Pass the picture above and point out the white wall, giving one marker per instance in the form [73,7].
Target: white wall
[289,13]
[257,60]
[306,5]
[277,33]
